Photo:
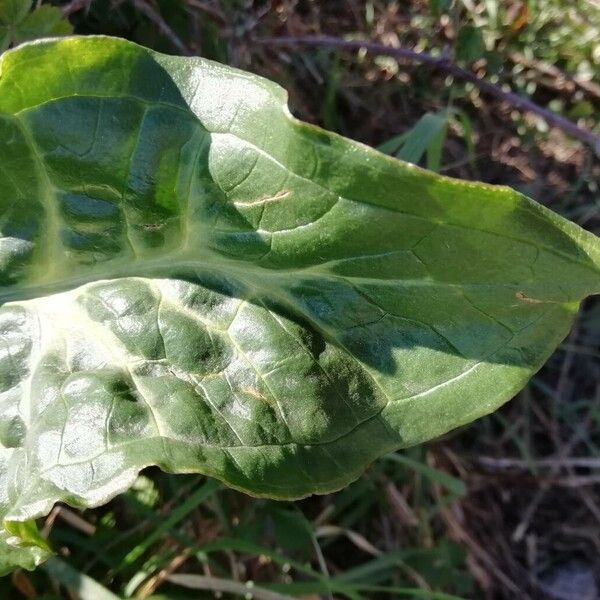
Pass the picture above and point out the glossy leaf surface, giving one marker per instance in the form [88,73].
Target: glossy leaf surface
[191,278]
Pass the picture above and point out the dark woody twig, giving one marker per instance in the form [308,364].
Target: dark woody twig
[144,7]
[74,6]
[444,64]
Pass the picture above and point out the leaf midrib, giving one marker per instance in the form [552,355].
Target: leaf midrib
[171,263]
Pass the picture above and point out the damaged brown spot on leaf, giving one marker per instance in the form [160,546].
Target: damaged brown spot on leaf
[527,300]
[265,199]
[254,393]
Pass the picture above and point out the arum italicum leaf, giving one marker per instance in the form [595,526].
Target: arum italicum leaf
[191,278]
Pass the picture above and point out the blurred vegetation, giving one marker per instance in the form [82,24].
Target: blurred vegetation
[507,508]
[22,21]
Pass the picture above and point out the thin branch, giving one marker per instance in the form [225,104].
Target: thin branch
[443,63]
[587,462]
[153,15]
[215,13]
[75,6]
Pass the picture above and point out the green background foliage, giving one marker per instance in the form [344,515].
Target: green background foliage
[19,23]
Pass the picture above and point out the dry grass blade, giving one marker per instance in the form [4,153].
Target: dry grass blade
[504,463]
[150,586]
[76,521]
[216,584]
[356,538]
[461,535]
[400,506]
[22,583]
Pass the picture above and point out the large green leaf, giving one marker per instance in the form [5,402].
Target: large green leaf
[193,279]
